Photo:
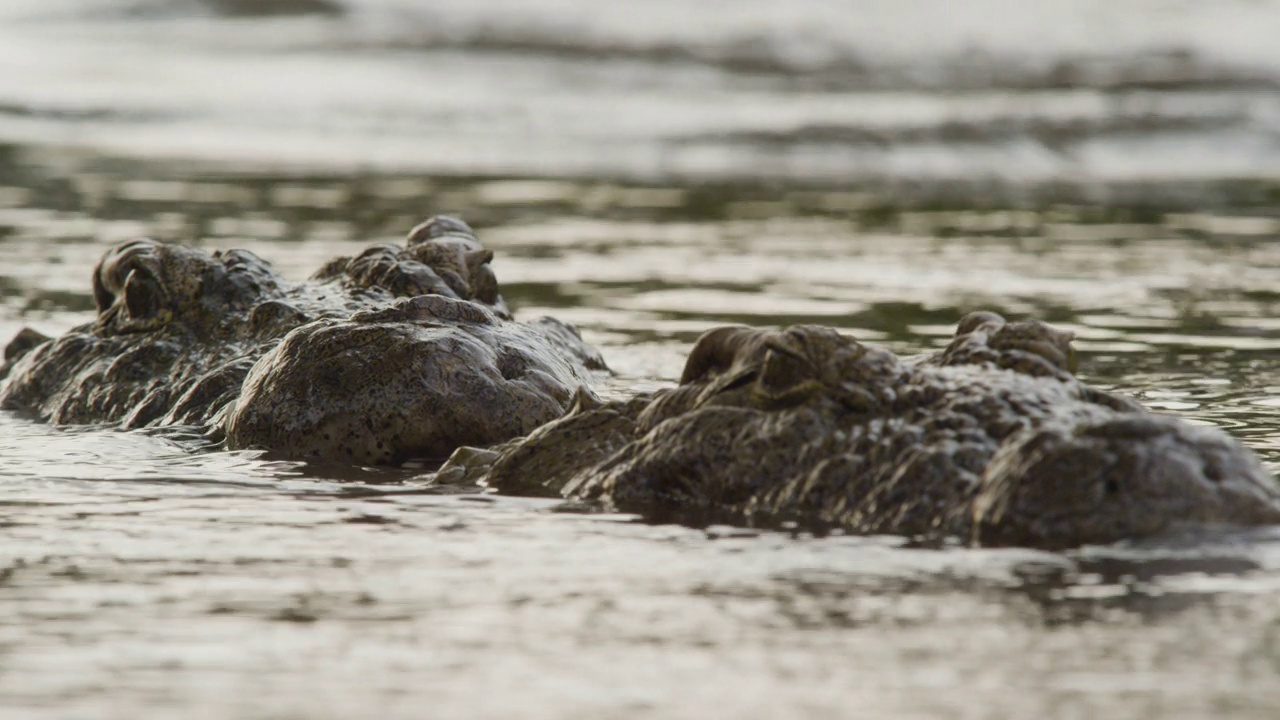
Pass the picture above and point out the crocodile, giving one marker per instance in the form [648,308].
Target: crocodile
[396,353]
[992,441]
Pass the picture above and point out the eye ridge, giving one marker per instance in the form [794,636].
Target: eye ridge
[144,296]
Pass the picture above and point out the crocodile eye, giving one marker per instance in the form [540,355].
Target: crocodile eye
[782,371]
[143,295]
[977,319]
[115,267]
[717,349]
[485,284]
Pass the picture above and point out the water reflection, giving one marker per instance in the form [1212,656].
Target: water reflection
[1096,588]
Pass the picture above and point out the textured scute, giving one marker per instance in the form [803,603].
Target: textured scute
[441,257]
[400,351]
[991,440]
[168,315]
[588,433]
[386,385]
[1118,477]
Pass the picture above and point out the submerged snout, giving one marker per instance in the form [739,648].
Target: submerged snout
[379,388]
[1069,484]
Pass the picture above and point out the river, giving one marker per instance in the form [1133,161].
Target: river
[645,171]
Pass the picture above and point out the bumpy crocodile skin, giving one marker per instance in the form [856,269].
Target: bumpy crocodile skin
[398,352]
[992,440]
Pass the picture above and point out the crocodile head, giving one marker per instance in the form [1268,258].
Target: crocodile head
[991,439]
[415,379]
[144,285]
[407,351]
[1125,476]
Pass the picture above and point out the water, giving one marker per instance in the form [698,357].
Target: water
[1064,91]
[645,171]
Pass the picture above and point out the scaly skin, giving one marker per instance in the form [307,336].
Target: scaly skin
[992,440]
[416,379]
[396,353]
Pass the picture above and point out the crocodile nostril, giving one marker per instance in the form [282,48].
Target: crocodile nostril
[1213,471]
[512,366]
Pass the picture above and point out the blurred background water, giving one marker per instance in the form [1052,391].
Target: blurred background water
[646,171]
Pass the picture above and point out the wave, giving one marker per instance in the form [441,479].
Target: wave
[879,44]
[1081,90]
[1047,131]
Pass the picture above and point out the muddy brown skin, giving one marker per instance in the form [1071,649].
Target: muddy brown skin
[992,440]
[398,352]
[416,379]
